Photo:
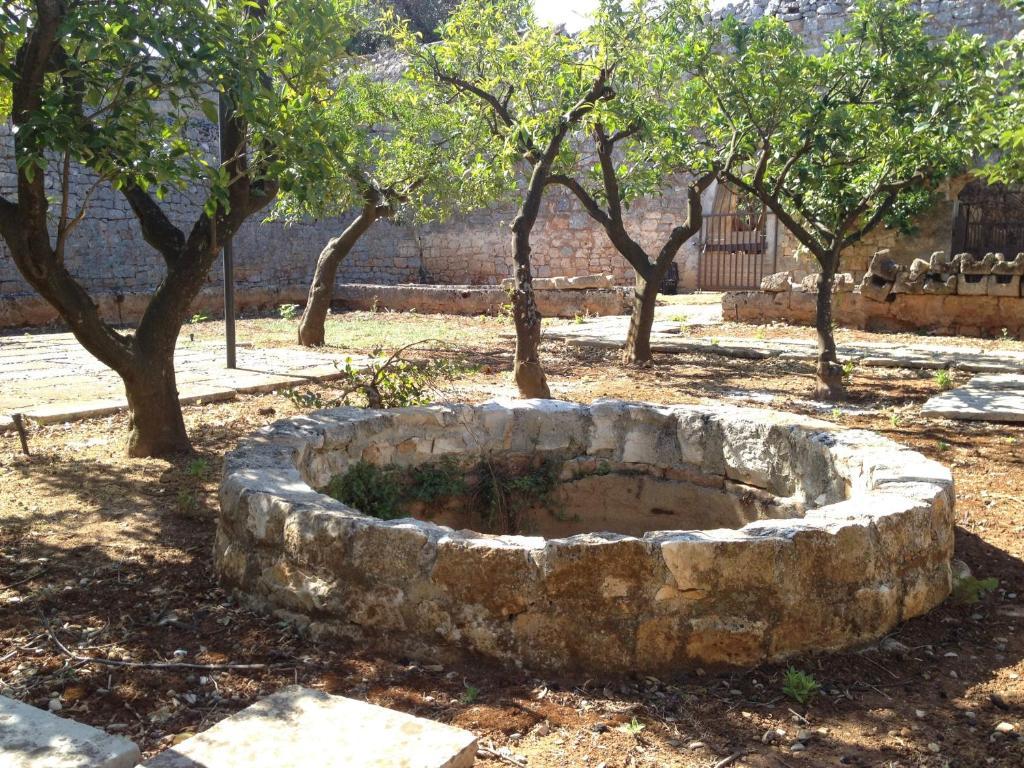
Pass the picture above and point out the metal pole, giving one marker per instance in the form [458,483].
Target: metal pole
[224,108]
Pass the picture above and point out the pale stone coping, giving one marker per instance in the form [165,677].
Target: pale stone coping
[871,549]
[299,728]
[34,738]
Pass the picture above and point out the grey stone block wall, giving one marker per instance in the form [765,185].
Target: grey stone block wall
[108,255]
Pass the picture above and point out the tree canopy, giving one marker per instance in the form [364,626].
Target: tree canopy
[839,143]
[114,87]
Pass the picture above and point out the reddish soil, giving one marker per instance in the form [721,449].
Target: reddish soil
[113,557]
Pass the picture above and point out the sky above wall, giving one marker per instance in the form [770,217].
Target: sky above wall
[574,13]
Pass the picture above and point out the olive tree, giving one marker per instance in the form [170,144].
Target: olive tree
[838,143]
[385,151]
[111,87]
[646,138]
[529,86]
[1005,124]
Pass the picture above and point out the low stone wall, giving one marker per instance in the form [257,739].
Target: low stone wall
[978,316]
[962,296]
[857,536]
[478,300]
[28,310]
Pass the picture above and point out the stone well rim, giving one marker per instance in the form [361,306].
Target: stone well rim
[885,494]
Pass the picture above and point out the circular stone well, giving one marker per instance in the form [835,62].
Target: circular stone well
[671,537]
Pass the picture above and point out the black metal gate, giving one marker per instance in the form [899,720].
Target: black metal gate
[733,251]
[989,219]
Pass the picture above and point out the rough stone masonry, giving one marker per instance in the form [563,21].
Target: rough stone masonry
[854,536]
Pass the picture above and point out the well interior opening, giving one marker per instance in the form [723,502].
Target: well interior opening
[555,495]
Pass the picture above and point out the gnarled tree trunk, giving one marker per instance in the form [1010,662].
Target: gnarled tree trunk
[529,374]
[155,419]
[321,290]
[638,339]
[830,374]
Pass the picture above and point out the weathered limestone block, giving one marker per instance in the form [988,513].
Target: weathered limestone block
[973,274]
[810,283]
[875,288]
[779,282]
[298,727]
[1005,266]
[884,267]
[34,738]
[1004,285]
[581,282]
[843,283]
[937,285]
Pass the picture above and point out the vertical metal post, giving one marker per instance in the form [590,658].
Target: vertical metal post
[224,109]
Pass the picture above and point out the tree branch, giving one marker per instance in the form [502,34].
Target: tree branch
[586,199]
[157,229]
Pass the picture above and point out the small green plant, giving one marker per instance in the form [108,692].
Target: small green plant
[942,445]
[469,695]
[634,727]
[895,419]
[430,482]
[399,383]
[799,686]
[943,380]
[837,414]
[604,468]
[186,501]
[579,319]
[969,590]
[371,489]
[505,497]
[288,311]
[304,398]
[198,317]
[848,368]
[198,467]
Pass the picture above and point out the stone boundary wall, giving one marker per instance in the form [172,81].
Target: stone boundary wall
[478,300]
[977,316]
[32,310]
[108,255]
[870,544]
[963,296]
[816,19]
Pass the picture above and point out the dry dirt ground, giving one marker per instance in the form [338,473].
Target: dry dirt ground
[113,558]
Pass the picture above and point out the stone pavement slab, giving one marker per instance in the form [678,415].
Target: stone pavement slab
[984,398]
[34,738]
[50,378]
[610,332]
[301,728]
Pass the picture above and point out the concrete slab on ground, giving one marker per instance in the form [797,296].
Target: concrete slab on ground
[298,728]
[51,379]
[984,398]
[34,738]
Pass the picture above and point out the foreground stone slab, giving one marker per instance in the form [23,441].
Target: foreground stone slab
[299,728]
[985,398]
[32,738]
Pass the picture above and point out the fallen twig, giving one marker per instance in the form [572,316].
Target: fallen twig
[145,664]
[26,580]
[731,758]
[488,752]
